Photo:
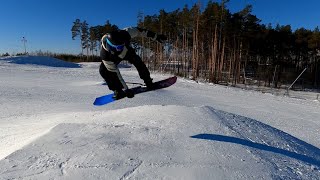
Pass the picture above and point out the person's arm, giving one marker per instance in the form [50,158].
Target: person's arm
[140,32]
[111,66]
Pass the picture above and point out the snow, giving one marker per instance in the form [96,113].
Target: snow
[49,128]
[41,60]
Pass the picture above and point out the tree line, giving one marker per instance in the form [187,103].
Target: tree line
[218,46]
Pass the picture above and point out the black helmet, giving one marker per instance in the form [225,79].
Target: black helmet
[116,40]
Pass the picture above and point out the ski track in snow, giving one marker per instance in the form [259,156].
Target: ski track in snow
[50,130]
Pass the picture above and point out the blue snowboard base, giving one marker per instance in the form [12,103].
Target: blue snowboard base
[106,99]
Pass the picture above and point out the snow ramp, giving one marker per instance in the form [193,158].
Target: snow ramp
[41,61]
[163,142]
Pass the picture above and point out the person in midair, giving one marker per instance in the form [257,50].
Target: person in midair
[115,47]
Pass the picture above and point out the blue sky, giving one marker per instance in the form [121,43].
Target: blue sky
[46,24]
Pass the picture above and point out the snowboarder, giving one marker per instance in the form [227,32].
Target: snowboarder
[115,47]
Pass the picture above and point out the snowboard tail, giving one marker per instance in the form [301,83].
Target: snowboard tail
[136,90]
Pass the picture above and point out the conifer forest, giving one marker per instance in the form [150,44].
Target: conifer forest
[209,43]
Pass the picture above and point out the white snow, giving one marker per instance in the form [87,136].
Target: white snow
[49,128]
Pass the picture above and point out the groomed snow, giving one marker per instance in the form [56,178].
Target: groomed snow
[49,129]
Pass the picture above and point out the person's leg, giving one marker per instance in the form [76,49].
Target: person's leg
[142,69]
[110,78]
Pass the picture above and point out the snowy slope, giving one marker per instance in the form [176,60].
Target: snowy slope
[41,60]
[49,129]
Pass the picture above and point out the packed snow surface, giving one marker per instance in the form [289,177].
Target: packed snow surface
[49,128]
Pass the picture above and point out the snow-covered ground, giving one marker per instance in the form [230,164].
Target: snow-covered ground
[49,128]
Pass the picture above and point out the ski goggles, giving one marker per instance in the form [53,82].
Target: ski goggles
[115,47]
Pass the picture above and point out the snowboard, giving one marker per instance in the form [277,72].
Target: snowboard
[106,99]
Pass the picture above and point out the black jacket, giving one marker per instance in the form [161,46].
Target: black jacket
[111,59]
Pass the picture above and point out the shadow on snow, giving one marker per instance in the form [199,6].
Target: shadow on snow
[228,139]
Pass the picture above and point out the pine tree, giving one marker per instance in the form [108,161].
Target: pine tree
[76,31]
[85,37]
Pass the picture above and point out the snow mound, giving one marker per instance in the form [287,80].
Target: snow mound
[163,142]
[41,60]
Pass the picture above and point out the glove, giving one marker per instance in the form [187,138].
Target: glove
[160,38]
[129,93]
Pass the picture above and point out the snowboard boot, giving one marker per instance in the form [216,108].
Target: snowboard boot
[129,93]
[150,85]
[119,94]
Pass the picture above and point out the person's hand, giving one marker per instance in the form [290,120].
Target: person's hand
[129,93]
[160,38]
